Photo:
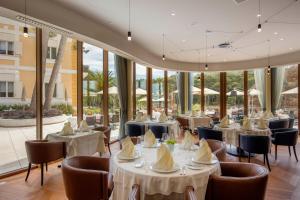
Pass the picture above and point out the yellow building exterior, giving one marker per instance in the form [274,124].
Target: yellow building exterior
[18,66]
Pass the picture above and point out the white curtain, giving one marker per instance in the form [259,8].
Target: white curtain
[259,77]
[277,86]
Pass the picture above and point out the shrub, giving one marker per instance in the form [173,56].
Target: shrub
[64,108]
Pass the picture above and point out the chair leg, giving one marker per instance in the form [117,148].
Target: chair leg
[264,159]
[28,171]
[108,145]
[294,147]
[275,152]
[249,155]
[290,151]
[46,166]
[267,158]
[42,174]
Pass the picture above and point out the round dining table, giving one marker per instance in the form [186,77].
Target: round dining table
[154,185]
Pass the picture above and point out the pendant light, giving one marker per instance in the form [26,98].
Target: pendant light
[25,28]
[206,65]
[269,65]
[129,36]
[163,47]
[259,29]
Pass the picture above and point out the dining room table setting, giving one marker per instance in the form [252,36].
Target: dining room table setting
[163,169]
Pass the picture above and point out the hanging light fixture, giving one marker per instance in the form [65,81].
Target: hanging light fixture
[269,65]
[206,65]
[163,46]
[129,36]
[259,29]
[25,28]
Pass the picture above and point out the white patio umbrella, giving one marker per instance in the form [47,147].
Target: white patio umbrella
[291,91]
[238,93]
[196,90]
[253,92]
[140,91]
[111,90]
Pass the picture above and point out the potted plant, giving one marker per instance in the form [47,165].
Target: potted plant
[171,143]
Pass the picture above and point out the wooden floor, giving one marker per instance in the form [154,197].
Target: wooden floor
[284,180]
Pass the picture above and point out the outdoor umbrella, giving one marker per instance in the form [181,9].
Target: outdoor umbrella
[291,91]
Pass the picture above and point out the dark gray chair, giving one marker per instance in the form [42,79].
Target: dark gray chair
[208,133]
[134,130]
[158,130]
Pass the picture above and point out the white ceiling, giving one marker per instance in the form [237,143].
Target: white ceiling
[185,32]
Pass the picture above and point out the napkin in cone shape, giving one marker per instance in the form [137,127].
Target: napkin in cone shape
[84,126]
[139,117]
[149,139]
[247,123]
[224,122]
[128,149]
[163,117]
[262,123]
[67,129]
[164,159]
[203,154]
[267,115]
[188,140]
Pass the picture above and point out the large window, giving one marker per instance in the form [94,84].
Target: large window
[17,121]
[235,94]
[212,94]
[141,91]
[114,105]
[255,92]
[172,93]
[157,92]
[92,84]
[196,90]
[60,80]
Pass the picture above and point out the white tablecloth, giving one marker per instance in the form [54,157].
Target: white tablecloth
[82,143]
[231,134]
[195,121]
[173,126]
[125,175]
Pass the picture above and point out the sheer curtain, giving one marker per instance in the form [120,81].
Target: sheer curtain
[121,75]
[181,91]
[190,91]
[259,77]
[277,86]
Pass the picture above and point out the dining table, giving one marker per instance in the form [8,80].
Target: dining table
[157,185]
[173,125]
[197,120]
[231,135]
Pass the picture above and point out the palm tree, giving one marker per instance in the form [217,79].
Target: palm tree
[159,81]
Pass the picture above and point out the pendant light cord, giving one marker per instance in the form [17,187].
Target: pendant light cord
[129,14]
[25,10]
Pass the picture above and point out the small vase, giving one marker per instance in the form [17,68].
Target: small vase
[171,147]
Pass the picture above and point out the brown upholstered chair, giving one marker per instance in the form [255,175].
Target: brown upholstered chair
[87,177]
[218,148]
[183,123]
[42,152]
[238,181]
[135,193]
[106,130]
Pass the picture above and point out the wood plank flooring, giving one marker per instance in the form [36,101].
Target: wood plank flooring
[284,180]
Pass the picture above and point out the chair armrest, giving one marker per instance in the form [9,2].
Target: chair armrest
[135,193]
[286,138]
[190,193]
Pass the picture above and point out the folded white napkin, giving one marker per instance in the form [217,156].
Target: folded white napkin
[67,129]
[262,123]
[224,122]
[253,115]
[164,159]
[139,117]
[163,117]
[128,148]
[84,126]
[247,123]
[267,115]
[149,139]
[203,154]
[188,140]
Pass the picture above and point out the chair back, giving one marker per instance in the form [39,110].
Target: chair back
[280,123]
[208,133]
[135,130]
[106,131]
[86,177]
[248,180]
[286,137]
[291,122]
[44,151]
[135,193]
[158,130]
[183,122]
[90,120]
[218,148]
[255,144]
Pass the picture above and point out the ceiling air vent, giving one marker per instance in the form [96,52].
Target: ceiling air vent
[239,1]
[224,45]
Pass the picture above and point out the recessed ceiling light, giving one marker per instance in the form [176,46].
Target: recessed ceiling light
[173,14]
[183,40]
[275,33]
[208,55]
[224,60]
[290,48]
[258,15]
[281,39]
